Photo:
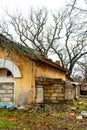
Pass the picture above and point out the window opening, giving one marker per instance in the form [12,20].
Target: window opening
[9,73]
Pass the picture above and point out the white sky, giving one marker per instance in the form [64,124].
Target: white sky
[25,4]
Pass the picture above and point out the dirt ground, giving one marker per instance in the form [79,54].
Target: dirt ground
[45,117]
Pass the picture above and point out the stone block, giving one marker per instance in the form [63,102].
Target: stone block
[2,91]
[46,98]
[1,95]
[45,90]
[54,87]
[9,91]
[59,90]
[38,82]
[39,95]
[60,98]
[54,95]
[58,81]
[5,99]
[55,101]
[46,94]
[60,86]
[47,87]
[50,79]
[51,90]
[8,95]
[60,95]
[52,98]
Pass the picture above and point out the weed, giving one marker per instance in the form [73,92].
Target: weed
[4,123]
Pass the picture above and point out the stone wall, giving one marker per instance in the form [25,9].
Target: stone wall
[51,89]
[6,92]
[70,91]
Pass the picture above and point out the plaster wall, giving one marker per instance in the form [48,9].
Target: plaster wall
[24,85]
[24,89]
[47,71]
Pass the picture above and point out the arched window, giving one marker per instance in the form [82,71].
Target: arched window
[10,66]
[9,74]
[5,73]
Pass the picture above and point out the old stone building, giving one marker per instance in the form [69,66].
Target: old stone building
[20,69]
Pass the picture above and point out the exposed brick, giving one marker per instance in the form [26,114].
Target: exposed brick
[50,80]
[54,87]
[60,98]
[60,86]
[46,94]
[58,90]
[45,83]
[53,90]
[52,98]
[46,98]
[54,95]
[55,101]
[5,99]
[60,94]
[47,87]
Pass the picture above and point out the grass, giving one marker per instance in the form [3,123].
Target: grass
[62,119]
[4,124]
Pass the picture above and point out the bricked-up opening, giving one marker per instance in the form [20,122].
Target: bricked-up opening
[6,87]
[6,92]
[51,89]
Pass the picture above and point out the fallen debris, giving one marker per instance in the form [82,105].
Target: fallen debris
[84,114]
[79,117]
[2,105]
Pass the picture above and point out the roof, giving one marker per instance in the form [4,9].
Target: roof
[19,48]
[51,63]
[29,52]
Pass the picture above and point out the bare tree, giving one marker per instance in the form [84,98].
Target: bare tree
[73,39]
[64,33]
[30,30]
[74,6]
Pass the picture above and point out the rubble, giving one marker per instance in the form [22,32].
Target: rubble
[79,117]
[84,114]
[10,105]
[73,108]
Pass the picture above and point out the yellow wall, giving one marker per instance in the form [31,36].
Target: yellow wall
[24,86]
[48,71]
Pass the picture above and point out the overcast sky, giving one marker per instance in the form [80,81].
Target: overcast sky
[25,4]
